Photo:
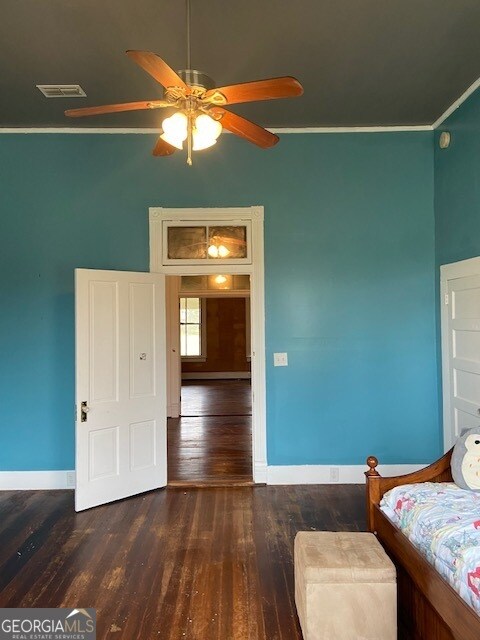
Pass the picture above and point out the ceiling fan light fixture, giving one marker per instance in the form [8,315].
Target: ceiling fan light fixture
[207,126]
[219,251]
[175,129]
[201,114]
[201,142]
[174,142]
[223,251]
[205,132]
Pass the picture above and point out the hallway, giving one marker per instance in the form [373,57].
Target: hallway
[211,443]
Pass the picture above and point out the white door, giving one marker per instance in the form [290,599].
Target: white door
[461,346]
[121,442]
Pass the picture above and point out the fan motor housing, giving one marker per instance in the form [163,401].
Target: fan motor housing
[195,78]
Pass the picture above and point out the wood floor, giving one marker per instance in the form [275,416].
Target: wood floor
[216,398]
[211,444]
[195,564]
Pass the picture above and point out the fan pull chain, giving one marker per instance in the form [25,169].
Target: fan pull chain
[189,140]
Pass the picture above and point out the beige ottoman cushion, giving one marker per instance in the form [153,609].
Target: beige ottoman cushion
[345,587]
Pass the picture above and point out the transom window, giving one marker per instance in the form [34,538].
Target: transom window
[206,284]
[191,243]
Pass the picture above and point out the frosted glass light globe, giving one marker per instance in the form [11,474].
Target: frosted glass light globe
[205,132]
[207,126]
[201,142]
[175,129]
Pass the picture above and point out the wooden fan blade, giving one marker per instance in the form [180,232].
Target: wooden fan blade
[227,239]
[245,129]
[157,68]
[162,148]
[286,87]
[116,108]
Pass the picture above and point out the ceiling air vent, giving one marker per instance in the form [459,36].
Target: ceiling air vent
[62,90]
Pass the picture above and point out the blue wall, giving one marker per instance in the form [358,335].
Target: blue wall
[349,243]
[457,185]
[457,198]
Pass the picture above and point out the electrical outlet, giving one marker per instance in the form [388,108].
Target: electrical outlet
[334,474]
[70,478]
[280,360]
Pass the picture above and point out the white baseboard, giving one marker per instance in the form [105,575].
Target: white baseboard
[24,480]
[297,474]
[173,410]
[260,473]
[324,474]
[217,375]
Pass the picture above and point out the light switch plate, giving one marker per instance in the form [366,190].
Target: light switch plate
[280,360]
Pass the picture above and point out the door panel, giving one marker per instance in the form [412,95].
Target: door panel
[464,420]
[103,452]
[142,340]
[466,305]
[121,378]
[142,445]
[103,324]
[466,345]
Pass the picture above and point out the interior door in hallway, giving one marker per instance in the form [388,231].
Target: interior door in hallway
[121,447]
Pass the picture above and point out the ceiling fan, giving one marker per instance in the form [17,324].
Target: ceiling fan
[200,106]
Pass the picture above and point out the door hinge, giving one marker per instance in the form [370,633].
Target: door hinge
[84,411]
[446,298]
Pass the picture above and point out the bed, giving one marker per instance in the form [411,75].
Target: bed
[429,607]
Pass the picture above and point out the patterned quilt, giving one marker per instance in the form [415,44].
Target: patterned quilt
[443,522]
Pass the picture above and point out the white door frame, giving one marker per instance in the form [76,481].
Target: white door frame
[255,269]
[462,269]
[174,363]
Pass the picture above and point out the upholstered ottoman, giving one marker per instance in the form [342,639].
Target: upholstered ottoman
[345,587]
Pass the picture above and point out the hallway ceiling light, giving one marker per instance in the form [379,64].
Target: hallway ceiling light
[220,279]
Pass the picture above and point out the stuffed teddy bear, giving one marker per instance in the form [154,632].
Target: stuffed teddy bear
[465,462]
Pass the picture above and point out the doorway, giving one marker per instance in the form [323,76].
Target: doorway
[122,327]
[210,424]
[180,242]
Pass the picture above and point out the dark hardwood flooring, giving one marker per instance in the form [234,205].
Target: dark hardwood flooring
[216,398]
[211,444]
[195,564]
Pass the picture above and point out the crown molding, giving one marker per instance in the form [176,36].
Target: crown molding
[446,114]
[282,130]
[80,130]
[376,129]
[148,131]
